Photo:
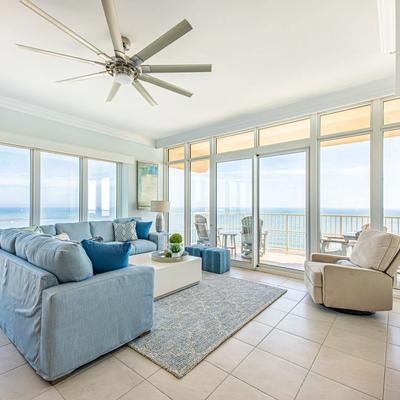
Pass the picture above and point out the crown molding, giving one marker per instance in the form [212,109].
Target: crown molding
[306,106]
[68,119]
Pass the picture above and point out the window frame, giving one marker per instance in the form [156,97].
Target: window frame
[35,181]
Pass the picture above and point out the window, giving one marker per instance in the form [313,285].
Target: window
[176,153]
[201,149]
[59,188]
[391,181]
[346,121]
[285,133]
[15,174]
[344,192]
[391,111]
[240,141]
[176,194]
[200,200]
[102,177]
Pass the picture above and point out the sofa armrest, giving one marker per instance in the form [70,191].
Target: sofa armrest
[159,238]
[84,320]
[356,288]
[327,258]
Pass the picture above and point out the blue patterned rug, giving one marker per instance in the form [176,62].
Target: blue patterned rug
[192,323]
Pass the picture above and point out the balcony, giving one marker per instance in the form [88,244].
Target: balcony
[285,233]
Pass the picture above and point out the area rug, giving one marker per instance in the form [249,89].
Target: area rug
[190,324]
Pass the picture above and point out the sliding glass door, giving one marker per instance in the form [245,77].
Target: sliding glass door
[234,208]
[283,210]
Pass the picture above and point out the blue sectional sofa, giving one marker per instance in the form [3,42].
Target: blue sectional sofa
[79,231]
[57,313]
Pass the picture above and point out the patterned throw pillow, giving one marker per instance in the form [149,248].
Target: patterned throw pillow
[125,232]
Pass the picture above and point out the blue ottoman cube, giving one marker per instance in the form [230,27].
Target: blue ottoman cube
[196,250]
[216,260]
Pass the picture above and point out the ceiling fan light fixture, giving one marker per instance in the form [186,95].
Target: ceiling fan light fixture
[123,78]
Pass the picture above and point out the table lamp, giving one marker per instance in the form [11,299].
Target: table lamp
[161,207]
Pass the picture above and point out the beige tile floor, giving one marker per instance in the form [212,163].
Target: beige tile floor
[293,350]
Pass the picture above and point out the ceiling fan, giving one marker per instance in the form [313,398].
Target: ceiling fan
[124,69]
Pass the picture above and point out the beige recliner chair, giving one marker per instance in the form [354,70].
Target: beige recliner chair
[362,282]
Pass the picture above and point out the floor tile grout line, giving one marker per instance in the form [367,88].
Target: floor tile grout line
[315,358]
[384,370]
[13,369]
[247,383]
[134,370]
[223,380]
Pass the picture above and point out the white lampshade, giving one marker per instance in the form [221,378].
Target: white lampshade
[160,206]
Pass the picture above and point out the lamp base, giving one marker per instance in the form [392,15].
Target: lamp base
[159,222]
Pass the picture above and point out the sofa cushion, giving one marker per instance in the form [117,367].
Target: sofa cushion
[143,246]
[66,260]
[143,229]
[103,229]
[125,231]
[21,242]
[375,250]
[49,229]
[31,229]
[76,230]
[313,272]
[8,238]
[107,257]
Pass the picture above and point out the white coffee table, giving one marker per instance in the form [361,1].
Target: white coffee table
[171,277]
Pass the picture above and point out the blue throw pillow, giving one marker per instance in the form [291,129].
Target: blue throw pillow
[107,256]
[143,229]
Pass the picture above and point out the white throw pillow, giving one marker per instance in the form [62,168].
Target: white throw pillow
[62,236]
[375,250]
[125,232]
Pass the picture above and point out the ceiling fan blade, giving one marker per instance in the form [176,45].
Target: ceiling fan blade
[113,25]
[163,41]
[156,69]
[65,29]
[165,85]
[114,89]
[84,77]
[140,88]
[53,53]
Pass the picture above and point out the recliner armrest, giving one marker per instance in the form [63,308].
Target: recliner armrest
[356,288]
[327,258]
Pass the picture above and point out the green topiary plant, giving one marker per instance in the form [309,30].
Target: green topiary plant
[176,238]
[175,248]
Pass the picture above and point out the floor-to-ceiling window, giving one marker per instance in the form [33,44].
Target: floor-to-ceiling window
[59,188]
[176,190]
[102,194]
[391,168]
[200,192]
[283,209]
[15,187]
[344,192]
[329,194]
[235,208]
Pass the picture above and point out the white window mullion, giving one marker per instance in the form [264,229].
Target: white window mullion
[83,190]
[35,187]
[376,166]
[313,178]
[213,195]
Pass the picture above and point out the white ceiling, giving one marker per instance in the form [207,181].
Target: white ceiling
[265,53]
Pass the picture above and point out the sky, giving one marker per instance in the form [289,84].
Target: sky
[344,180]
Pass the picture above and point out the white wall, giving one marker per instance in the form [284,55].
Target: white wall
[17,128]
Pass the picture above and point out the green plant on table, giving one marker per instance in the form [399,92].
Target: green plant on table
[175,247]
[176,238]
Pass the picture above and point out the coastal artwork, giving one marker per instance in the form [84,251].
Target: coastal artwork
[147,184]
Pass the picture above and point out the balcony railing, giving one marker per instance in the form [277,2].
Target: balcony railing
[287,231]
